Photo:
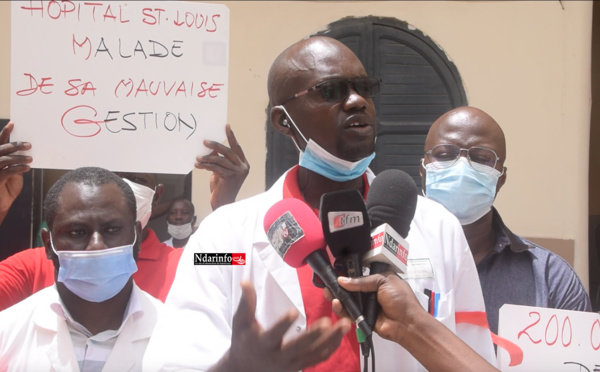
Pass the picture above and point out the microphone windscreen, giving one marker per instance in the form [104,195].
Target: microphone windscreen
[345,222]
[293,230]
[392,199]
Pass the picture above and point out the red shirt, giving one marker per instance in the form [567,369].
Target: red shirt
[347,357]
[28,271]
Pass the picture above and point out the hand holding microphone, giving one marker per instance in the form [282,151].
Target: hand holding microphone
[403,320]
[347,228]
[391,205]
[296,234]
[390,208]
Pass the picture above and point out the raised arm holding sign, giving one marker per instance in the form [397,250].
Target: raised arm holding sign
[12,167]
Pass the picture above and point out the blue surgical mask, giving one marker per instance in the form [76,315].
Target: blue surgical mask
[96,276]
[319,160]
[465,192]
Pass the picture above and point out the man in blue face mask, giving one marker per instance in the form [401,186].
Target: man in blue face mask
[28,271]
[463,169]
[94,317]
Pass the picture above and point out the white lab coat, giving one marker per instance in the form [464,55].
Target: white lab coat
[33,337]
[196,330]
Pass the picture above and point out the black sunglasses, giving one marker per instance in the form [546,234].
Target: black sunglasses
[337,90]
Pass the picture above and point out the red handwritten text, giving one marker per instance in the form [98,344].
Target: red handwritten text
[129,88]
[555,331]
[81,10]
[34,86]
[199,21]
[81,127]
[152,16]
[81,121]
[79,88]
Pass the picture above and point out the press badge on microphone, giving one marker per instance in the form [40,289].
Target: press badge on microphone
[418,268]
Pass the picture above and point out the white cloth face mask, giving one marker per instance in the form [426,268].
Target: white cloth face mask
[144,196]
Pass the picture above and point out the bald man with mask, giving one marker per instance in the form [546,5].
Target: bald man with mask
[463,169]
[322,99]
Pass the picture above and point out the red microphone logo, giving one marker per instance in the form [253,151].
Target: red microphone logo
[344,220]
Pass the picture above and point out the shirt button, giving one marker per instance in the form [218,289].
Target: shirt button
[298,329]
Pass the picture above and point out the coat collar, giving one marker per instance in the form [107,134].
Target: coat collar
[139,324]
[285,276]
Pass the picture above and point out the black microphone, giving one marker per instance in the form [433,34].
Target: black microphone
[296,234]
[346,228]
[347,231]
[391,205]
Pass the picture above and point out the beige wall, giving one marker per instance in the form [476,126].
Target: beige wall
[525,63]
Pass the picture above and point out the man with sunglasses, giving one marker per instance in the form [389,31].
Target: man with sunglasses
[463,169]
[321,97]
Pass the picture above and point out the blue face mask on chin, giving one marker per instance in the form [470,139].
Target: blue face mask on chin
[319,160]
[465,192]
[96,276]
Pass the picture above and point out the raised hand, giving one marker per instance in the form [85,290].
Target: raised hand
[256,349]
[229,169]
[12,167]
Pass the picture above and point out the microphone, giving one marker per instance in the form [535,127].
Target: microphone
[347,231]
[346,228]
[296,234]
[391,205]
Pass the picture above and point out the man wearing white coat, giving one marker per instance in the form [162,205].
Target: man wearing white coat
[320,97]
[94,318]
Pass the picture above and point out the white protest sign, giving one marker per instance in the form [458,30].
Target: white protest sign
[124,85]
[549,339]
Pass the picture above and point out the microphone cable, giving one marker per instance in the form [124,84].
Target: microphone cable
[371,347]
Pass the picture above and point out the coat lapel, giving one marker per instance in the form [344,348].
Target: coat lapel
[284,275]
[60,351]
[134,336]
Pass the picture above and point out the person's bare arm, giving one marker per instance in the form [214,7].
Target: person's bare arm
[254,349]
[12,167]
[229,169]
[404,321]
